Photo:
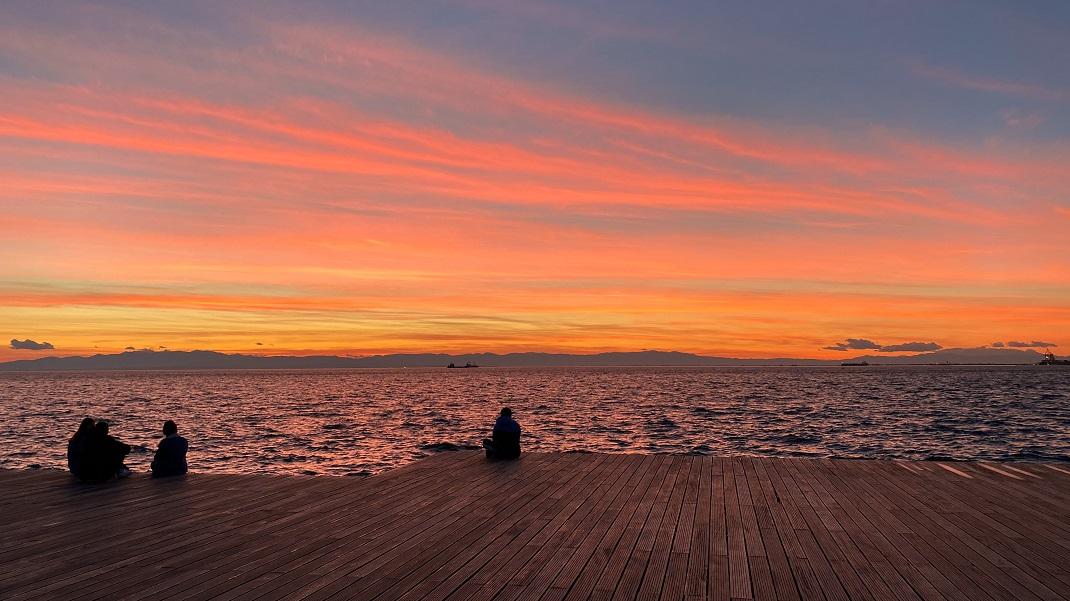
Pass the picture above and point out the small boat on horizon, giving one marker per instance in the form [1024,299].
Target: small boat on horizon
[465,366]
[855,364]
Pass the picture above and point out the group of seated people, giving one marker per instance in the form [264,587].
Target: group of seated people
[94,455]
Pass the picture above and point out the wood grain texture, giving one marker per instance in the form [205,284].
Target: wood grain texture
[550,526]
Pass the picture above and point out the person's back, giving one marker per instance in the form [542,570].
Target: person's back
[505,438]
[104,454]
[78,446]
[94,461]
[170,458]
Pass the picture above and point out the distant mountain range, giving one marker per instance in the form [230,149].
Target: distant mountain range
[134,360]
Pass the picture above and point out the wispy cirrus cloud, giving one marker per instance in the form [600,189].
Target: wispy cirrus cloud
[956,78]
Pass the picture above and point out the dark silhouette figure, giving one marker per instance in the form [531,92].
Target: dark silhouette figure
[505,439]
[78,445]
[170,458]
[104,456]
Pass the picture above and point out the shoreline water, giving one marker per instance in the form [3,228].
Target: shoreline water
[1061,464]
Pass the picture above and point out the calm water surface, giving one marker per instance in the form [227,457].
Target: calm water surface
[360,422]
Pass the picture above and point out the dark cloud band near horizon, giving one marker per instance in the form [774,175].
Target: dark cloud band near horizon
[854,344]
[911,346]
[1033,344]
[30,345]
[862,344]
[865,344]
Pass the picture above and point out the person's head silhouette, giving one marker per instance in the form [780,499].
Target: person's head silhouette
[102,428]
[86,425]
[169,428]
[507,412]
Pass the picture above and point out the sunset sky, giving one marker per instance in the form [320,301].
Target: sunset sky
[712,177]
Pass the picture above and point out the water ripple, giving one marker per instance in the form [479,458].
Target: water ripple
[361,422]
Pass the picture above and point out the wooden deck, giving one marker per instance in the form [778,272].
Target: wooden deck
[550,526]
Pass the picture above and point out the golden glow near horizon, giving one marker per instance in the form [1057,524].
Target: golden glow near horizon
[324,184]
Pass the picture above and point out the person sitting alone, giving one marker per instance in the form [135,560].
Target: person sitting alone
[170,458]
[78,445]
[104,456]
[505,439]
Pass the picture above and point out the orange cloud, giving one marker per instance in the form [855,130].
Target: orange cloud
[335,189]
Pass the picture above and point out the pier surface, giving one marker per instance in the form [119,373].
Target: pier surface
[550,526]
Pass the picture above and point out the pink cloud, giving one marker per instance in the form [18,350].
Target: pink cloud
[337,172]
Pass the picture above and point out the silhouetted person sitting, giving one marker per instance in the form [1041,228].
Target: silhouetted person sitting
[104,456]
[170,459]
[78,445]
[505,439]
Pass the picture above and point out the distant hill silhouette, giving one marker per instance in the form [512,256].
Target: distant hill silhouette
[183,360]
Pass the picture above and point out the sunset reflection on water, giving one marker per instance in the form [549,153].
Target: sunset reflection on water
[361,422]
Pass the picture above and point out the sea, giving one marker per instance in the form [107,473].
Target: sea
[360,422]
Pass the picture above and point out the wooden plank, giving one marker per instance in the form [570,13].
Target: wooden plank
[661,551]
[563,545]
[766,511]
[698,560]
[883,532]
[635,570]
[613,571]
[994,563]
[495,576]
[550,526]
[503,519]
[739,585]
[549,551]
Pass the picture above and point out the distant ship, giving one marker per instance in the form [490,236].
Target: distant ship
[466,365]
[855,364]
[1049,359]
